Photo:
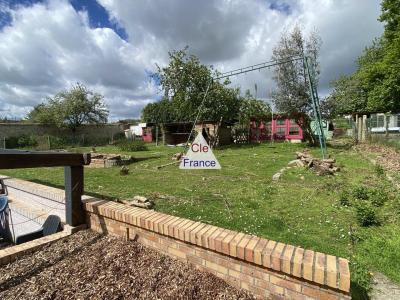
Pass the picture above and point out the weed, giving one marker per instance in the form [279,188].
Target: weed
[379,170]
[345,198]
[378,196]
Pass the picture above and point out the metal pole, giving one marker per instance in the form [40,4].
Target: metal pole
[315,103]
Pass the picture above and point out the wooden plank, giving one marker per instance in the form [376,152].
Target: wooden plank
[74,212]
[13,159]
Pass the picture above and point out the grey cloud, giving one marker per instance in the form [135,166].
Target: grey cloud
[49,46]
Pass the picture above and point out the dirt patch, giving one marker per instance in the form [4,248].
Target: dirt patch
[384,289]
[88,265]
[386,157]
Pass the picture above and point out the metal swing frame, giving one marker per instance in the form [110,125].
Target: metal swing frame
[313,93]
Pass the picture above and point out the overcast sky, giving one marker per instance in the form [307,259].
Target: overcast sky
[111,46]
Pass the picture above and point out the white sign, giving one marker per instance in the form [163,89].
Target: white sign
[199,156]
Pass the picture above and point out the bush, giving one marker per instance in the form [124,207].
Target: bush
[345,198]
[27,141]
[119,136]
[366,214]
[58,142]
[21,141]
[131,146]
[360,192]
[12,142]
[378,196]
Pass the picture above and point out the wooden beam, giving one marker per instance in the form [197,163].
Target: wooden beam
[13,159]
[74,213]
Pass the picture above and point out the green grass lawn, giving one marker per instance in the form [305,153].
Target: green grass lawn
[242,196]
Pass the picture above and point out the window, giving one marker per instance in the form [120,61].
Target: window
[377,121]
[398,120]
[280,122]
[294,130]
[293,122]
[280,130]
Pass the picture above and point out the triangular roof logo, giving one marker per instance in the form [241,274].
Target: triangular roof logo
[199,156]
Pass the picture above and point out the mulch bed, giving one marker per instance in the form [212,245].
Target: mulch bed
[88,265]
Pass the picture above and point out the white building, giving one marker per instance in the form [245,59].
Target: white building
[380,121]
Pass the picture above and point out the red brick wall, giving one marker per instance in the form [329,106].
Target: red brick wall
[269,269]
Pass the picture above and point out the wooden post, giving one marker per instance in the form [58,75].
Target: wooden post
[74,213]
[387,121]
[163,133]
[364,128]
[156,134]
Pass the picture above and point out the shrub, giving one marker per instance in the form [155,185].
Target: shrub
[131,146]
[119,136]
[378,196]
[345,198]
[360,192]
[27,141]
[58,142]
[12,142]
[366,214]
[21,141]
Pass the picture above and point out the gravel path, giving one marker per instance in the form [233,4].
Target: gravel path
[88,265]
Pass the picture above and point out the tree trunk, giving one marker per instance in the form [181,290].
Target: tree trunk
[308,135]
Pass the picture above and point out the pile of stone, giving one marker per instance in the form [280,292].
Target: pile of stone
[107,160]
[321,167]
[139,201]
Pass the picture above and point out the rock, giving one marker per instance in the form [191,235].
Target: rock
[302,177]
[276,176]
[329,160]
[140,199]
[148,204]
[320,167]
[296,163]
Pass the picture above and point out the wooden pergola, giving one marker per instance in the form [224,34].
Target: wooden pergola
[73,174]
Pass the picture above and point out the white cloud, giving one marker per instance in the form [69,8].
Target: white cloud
[50,46]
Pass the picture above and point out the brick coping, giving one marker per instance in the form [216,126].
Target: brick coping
[318,268]
[12,253]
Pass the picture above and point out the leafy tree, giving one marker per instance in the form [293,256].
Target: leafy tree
[185,81]
[375,86]
[158,112]
[347,96]
[251,108]
[71,109]
[292,94]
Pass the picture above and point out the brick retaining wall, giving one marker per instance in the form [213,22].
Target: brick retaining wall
[269,269]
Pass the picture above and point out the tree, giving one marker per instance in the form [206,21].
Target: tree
[158,112]
[185,81]
[347,96]
[292,94]
[251,108]
[375,86]
[71,109]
